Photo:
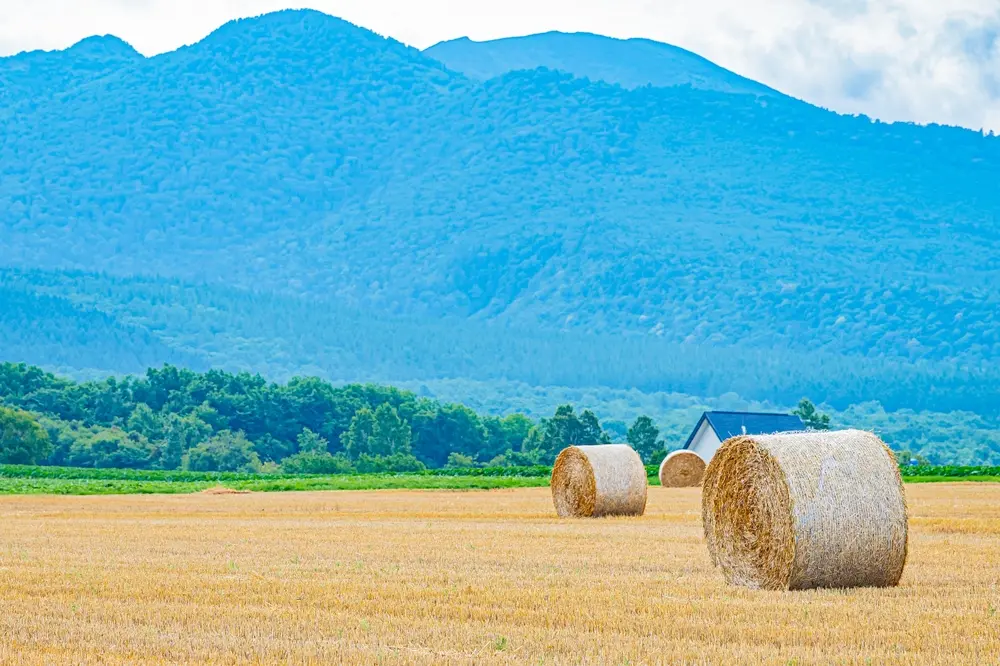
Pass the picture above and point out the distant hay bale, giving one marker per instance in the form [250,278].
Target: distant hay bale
[221,490]
[803,510]
[682,469]
[604,480]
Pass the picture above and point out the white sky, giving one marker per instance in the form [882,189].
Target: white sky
[921,60]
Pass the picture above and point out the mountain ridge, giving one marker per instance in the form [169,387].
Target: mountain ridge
[48,73]
[631,63]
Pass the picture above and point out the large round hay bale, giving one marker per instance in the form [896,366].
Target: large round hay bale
[604,480]
[682,469]
[803,510]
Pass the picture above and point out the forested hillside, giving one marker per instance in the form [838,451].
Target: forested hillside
[53,331]
[282,336]
[300,153]
[297,195]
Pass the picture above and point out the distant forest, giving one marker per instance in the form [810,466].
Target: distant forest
[171,418]
[217,421]
[76,322]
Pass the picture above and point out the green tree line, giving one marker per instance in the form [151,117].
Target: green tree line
[171,418]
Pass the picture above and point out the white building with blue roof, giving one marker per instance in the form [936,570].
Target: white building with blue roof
[716,427]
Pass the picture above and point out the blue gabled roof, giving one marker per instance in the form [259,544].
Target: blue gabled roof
[730,424]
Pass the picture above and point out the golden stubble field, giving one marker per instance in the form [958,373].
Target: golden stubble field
[462,577]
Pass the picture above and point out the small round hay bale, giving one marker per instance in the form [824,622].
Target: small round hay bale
[804,510]
[604,480]
[682,469]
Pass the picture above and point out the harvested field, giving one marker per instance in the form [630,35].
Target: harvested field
[431,577]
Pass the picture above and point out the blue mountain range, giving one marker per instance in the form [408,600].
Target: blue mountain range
[297,186]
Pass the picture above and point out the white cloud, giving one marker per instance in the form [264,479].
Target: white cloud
[922,60]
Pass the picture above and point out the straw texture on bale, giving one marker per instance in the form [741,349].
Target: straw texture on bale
[804,510]
[682,469]
[604,480]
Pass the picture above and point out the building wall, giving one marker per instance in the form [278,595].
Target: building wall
[705,442]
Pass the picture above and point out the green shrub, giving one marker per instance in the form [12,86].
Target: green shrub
[312,462]
[459,461]
[22,440]
[112,449]
[397,462]
[226,452]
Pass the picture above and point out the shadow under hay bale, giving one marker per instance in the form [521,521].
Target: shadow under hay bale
[682,469]
[806,510]
[604,480]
